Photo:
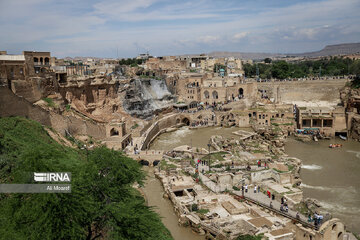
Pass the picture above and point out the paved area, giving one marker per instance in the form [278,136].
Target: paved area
[265,200]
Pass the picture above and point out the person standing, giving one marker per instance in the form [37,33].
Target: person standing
[246,188]
[255,189]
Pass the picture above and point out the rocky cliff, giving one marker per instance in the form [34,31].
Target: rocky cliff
[143,97]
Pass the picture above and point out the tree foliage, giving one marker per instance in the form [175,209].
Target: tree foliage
[333,66]
[102,202]
[131,61]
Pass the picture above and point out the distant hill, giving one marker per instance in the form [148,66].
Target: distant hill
[338,49]
[329,50]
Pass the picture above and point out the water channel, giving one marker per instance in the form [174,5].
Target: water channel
[154,191]
[329,175]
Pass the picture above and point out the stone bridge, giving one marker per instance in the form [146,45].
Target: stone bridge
[148,157]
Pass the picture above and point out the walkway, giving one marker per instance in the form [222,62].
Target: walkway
[264,201]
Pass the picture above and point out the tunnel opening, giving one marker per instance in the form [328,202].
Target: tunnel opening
[186,121]
[114,132]
[144,162]
[156,162]
[179,193]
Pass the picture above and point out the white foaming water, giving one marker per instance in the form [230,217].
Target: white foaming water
[357,154]
[315,187]
[312,167]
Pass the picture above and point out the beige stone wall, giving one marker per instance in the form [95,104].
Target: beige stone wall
[13,105]
[312,91]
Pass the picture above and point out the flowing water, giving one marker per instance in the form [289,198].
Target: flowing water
[331,176]
[193,137]
[154,191]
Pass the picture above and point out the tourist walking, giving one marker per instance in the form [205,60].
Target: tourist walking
[246,188]
[255,189]
[258,189]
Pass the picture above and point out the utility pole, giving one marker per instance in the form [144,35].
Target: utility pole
[209,145]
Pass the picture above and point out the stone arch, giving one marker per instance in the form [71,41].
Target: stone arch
[114,132]
[206,95]
[41,60]
[156,162]
[215,95]
[144,162]
[46,61]
[340,236]
[36,60]
[193,104]
[178,121]
[186,121]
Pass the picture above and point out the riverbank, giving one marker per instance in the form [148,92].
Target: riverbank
[154,192]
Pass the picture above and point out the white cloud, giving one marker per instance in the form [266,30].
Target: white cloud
[168,27]
[208,39]
[240,35]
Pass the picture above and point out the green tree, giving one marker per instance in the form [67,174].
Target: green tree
[102,202]
[280,69]
[267,60]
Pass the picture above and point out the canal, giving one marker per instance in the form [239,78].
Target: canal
[154,191]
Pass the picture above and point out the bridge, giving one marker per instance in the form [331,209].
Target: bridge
[148,157]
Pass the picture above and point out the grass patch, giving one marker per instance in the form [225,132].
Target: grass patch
[49,102]
[166,166]
[203,211]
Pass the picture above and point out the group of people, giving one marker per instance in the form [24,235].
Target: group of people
[317,219]
[245,189]
[259,164]
[284,207]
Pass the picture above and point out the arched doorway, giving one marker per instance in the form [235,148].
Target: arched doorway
[114,132]
[186,121]
[206,95]
[241,93]
[215,95]
[47,61]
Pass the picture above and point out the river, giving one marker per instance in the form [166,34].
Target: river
[154,191]
[331,176]
[192,137]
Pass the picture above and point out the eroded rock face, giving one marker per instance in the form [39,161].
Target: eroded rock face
[355,127]
[144,97]
[350,97]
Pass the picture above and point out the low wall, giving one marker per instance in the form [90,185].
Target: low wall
[160,125]
[312,91]
[12,105]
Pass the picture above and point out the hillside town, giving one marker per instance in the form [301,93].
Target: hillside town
[243,184]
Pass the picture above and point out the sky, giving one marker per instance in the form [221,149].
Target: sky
[126,28]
